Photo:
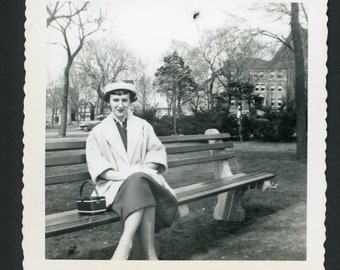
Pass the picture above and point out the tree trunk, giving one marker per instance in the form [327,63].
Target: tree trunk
[100,101]
[300,93]
[64,101]
[210,96]
[179,108]
[101,106]
[69,113]
[52,120]
[174,113]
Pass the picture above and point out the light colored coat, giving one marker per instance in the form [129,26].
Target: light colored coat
[105,150]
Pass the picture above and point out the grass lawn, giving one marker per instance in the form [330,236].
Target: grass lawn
[274,228]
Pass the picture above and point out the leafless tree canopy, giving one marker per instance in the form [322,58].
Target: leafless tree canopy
[228,50]
[280,12]
[103,62]
[54,10]
[67,18]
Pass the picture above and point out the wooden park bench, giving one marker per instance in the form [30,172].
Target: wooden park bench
[228,187]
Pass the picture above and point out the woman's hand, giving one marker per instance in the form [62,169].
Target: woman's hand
[153,166]
[143,168]
[112,175]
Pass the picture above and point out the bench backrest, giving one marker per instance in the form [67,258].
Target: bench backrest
[197,143]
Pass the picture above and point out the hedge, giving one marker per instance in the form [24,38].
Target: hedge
[273,125]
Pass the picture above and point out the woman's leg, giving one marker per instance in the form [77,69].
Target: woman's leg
[146,233]
[131,225]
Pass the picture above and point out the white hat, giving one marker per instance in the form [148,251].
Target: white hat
[119,86]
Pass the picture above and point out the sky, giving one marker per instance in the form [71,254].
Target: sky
[148,26]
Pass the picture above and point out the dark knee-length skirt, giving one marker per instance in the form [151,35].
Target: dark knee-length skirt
[139,191]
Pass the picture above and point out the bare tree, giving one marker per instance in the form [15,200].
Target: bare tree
[53,12]
[147,93]
[298,26]
[300,93]
[281,12]
[72,18]
[53,99]
[231,53]
[81,96]
[103,64]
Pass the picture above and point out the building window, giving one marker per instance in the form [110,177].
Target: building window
[279,88]
[272,75]
[232,102]
[257,87]
[279,75]
[273,103]
[279,103]
[262,87]
[261,74]
[255,75]
[272,87]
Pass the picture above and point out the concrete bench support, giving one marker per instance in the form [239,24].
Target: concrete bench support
[229,204]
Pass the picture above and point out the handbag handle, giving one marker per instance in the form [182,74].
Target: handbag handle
[82,187]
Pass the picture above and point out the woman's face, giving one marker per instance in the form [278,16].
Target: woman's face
[120,105]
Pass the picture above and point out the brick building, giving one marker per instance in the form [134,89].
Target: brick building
[273,80]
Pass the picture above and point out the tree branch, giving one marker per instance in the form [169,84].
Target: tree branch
[304,11]
[53,17]
[277,37]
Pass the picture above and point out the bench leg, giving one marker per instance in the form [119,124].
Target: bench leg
[183,210]
[229,206]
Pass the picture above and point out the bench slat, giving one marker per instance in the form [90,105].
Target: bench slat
[80,143]
[74,177]
[197,147]
[69,221]
[195,160]
[81,158]
[67,178]
[221,186]
[65,145]
[194,138]
[197,186]
[65,160]
[79,222]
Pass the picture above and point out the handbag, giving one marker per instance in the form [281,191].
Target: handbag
[90,205]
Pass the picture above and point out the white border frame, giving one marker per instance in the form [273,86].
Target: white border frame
[34,156]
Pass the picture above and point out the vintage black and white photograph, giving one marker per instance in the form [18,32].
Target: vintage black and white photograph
[175,131]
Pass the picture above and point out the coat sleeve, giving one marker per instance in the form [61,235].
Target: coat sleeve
[155,150]
[96,162]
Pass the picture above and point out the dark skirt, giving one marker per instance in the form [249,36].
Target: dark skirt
[139,191]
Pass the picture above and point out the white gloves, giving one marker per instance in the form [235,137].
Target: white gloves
[122,175]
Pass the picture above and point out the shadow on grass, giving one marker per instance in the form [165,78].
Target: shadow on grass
[191,235]
[188,238]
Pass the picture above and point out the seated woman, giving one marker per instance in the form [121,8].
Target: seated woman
[125,159]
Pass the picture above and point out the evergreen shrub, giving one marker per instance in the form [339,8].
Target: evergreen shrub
[273,125]
[277,125]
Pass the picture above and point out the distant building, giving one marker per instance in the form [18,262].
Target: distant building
[273,80]
[271,86]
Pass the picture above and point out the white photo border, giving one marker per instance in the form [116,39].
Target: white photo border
[34,156]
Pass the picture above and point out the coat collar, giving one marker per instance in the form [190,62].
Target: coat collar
[134,130]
